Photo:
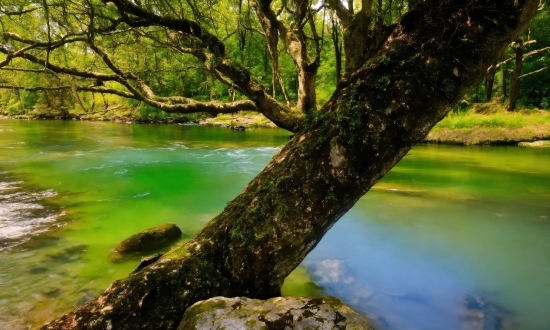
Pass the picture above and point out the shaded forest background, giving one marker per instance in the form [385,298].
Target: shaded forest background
[520,79]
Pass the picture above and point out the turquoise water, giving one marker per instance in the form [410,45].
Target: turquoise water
[452,238]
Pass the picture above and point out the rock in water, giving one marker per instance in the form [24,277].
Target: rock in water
[480,314]
[150,238]
[280,313]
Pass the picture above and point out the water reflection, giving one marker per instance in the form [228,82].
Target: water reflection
[440,244]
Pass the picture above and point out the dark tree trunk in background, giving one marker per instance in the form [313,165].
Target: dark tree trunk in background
[307,97]
[504,88]
[489,82]
[514,81]
[435,54]
[337,44]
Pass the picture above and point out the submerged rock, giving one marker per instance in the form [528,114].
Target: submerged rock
[151,238]
[480,314]
[276,314]
[70,254]
[52,292]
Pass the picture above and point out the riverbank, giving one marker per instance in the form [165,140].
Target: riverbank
[491,124]
[124,117]
[481,124]
[478,126]
[491,136]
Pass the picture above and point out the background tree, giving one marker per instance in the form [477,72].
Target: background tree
[529,57]
[535,76]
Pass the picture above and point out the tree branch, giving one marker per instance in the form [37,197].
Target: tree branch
[533,72]
[240,76]
[531,53]
[64,70]
[166,104]
[18,12]
[214,45]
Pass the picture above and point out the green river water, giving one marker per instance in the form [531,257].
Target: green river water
[452,238]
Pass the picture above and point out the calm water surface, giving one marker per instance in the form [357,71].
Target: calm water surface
[452,238]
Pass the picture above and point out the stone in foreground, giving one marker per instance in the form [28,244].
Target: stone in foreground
[274,314]
[151,238]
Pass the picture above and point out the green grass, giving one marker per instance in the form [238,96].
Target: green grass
[501,118]
[490,123]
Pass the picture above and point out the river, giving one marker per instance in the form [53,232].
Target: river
[452,238]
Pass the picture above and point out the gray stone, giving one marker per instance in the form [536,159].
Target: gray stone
[537,144]
[282,313]
[151,238]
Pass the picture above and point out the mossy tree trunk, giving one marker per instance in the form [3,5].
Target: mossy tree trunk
[435,54]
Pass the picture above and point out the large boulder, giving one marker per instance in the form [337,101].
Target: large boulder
[151,238]
[277,314]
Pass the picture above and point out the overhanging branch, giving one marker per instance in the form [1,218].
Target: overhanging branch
[166,104]
[533,72]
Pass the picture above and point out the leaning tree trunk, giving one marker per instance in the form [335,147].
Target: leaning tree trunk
[436,53]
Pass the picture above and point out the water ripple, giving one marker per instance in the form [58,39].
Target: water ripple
[23,213]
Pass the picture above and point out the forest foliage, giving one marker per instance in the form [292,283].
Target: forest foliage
[87,36]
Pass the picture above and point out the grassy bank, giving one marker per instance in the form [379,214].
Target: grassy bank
[116,113]
[480,124]
[491,124]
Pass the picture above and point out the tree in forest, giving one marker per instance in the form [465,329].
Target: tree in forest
[519,48]
[533,45]
[402,75]
[517,73]
[535,79]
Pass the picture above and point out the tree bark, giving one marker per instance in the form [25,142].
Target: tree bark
[307,97]
[514,81]
[436,53]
